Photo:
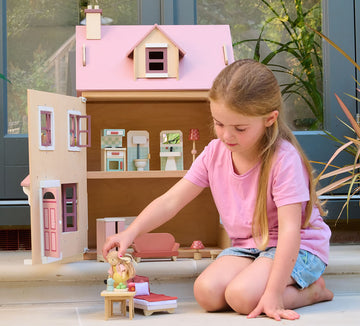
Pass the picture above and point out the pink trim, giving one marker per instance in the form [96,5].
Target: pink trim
[26,181]
[87,130]
[73,202]
[46,139]
[92,11]
[162,61]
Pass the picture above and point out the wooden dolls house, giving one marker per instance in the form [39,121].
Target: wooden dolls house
[136,78]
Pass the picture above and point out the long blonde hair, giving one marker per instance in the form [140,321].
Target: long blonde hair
[250,88]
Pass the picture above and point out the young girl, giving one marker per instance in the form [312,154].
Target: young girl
[263,189]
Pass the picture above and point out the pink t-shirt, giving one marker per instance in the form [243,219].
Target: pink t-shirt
[235,195]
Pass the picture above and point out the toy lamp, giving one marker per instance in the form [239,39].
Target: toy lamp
[197,245]
[194,135]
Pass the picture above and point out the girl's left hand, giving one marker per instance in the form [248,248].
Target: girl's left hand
[273,307]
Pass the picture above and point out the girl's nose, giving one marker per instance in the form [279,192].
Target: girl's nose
[228,135]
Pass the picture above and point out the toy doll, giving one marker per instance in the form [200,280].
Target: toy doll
[121,269]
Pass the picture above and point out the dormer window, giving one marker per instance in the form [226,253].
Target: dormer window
[156,60]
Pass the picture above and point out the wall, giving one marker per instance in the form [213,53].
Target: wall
[127,197]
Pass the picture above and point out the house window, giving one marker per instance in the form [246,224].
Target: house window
[156,60]
[72,130]
[78,125]
[46,129]
[69,204]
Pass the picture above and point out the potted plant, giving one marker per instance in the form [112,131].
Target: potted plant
[352,145]
[303,48]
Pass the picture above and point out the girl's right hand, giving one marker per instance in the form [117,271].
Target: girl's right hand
[121,240]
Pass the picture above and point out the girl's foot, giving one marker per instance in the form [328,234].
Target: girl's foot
[319,291]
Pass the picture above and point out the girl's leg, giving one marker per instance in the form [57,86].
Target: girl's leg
[209,287]
[244,292]
[316,292]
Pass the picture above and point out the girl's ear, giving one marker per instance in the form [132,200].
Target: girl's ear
[271,118]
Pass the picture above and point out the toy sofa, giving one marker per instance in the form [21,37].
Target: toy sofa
[155,245]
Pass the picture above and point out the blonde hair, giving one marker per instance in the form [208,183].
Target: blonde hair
[250,88]
[126,261]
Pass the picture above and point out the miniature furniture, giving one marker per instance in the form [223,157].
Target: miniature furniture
[197,245]
[151,302]
[214,253]
[171,150]
[113,156]
[194,135]
[155,245]
[118,296]
[155,303]
[104,228]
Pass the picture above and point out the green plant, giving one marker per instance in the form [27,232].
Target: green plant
[3,77]
[305,64]
[352,146]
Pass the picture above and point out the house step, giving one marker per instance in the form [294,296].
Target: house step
[344,259]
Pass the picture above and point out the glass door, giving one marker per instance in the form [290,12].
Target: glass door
[309,70]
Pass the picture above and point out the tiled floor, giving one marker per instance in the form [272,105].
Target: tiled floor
[70,294]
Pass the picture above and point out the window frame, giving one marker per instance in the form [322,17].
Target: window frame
[74,127]
[65,202]
[156,47]
[49,128]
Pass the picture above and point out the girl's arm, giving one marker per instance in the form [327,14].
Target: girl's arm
[155,214]
[287,250]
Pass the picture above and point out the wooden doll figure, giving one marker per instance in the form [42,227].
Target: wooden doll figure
[121,269]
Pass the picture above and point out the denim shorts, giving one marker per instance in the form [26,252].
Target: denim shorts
[308,267]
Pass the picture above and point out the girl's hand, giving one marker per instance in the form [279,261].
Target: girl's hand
[121,240]
[273,307]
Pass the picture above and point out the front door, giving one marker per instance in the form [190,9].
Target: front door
[51,223]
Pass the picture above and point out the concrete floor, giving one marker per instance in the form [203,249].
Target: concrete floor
[69,294]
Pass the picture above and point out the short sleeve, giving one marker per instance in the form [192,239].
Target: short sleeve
[198,172]
[290,179]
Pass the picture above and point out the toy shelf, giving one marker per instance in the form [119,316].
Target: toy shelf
[135,174]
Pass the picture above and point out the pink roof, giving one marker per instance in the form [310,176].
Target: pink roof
[26,181]
[108,67]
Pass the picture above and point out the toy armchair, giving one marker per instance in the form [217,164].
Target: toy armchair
[155,245]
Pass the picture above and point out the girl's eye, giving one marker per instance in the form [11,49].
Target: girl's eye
[239,129]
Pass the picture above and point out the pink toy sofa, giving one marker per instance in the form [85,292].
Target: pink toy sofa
[155,245]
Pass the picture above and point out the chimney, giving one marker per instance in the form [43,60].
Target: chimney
[93,22]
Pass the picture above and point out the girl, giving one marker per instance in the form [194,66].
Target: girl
[263,189]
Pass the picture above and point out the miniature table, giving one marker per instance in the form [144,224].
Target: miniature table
[118,296]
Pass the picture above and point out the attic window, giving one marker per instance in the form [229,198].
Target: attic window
[156,60]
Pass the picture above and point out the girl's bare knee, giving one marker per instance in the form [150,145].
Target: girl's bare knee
[240,299]
[208,295]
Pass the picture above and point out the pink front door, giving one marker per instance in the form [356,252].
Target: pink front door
[51,224]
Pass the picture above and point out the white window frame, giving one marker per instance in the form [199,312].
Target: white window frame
[52,130]
[75,148]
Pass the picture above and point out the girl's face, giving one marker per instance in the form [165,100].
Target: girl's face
[240,133]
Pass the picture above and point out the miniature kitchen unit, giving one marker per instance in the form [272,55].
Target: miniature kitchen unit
[113,155]
[150,81]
